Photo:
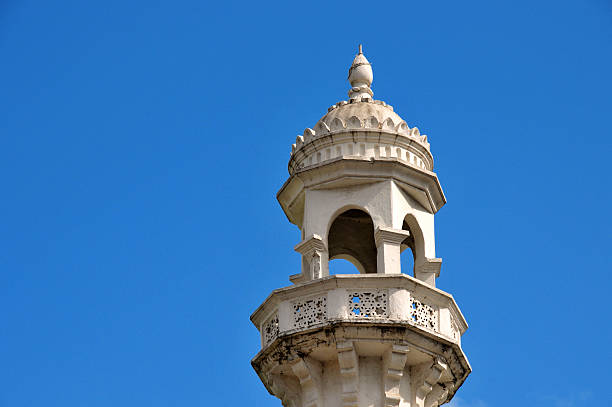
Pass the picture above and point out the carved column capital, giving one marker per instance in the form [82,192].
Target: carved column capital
[310,245]
[384,234]
[314,259]
[428,271]
[388,242]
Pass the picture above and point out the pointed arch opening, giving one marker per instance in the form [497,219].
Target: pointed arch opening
[412,247]
[351,238]
[407,252]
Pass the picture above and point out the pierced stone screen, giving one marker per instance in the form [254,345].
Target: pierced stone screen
[309,312]
[368,304]
[270,329]
[424,315]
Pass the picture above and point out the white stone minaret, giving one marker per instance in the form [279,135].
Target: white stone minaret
[362,188]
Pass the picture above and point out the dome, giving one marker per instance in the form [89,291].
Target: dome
[360,127]
[378,109]
[365,113]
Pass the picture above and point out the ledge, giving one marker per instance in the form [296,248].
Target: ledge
[370,299]
[420,184]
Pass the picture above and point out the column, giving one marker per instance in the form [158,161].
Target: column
[388,243]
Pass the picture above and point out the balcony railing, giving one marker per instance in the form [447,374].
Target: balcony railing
[363,298]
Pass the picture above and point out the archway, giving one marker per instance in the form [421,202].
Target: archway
[408,250]
[351,237]
[338,265]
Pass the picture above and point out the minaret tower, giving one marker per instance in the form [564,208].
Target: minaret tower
[361,187]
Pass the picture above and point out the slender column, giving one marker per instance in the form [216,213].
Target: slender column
[315,259]
[388,243]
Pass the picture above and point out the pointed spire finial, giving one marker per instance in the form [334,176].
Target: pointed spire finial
[360,76]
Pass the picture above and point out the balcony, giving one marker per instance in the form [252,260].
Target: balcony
[368,299]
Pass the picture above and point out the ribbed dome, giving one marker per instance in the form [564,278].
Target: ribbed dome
[360,127]
[363,110]
[356,114]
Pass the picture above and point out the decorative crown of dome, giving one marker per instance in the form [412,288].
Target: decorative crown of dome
[360,114]
[360,77]
[361,111]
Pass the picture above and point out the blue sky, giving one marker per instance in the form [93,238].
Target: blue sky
[142,145]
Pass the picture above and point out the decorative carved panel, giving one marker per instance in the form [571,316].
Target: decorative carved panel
[368,304]
[309,311]
[423,314]
[270,329]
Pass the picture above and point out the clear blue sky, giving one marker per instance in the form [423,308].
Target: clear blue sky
[143,142]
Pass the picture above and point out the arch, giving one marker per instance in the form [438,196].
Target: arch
[407,260]
[350,237]
[341,210]
[415,242]
[354,123]
[371,123]
[350,259]
[337,124]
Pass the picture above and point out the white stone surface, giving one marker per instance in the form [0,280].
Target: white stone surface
[362,188]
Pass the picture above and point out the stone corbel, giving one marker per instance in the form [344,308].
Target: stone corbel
[426,379]
[394,361]
[428,271]
[281,389]
[349,372]
[438,395]
[314,259]
[388,242]
[308,372]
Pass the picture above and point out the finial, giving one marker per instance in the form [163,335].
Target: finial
[360,76]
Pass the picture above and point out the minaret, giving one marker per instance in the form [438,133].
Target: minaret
[361,187]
